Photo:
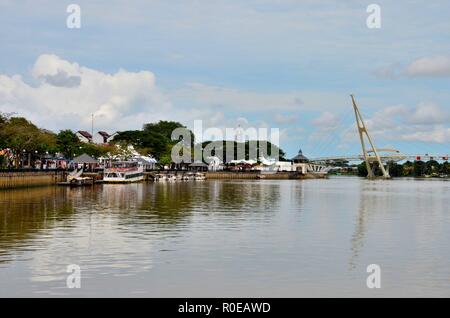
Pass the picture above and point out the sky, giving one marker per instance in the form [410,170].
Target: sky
[286,64]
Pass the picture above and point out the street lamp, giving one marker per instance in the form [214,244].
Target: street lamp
[23,158]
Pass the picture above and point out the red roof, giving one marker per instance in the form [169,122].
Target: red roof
[85,134]
[104,134]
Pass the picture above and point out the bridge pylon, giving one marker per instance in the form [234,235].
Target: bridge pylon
[362,130]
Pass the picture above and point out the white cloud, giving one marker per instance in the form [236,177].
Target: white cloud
[429,66]
[285,119]
[233,99]
[426,122]
[66,94]
[437,135]
[326,121]
[429,114]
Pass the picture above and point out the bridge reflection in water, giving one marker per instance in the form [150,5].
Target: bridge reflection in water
[222,238]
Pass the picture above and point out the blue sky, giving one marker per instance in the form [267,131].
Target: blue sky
[285,64]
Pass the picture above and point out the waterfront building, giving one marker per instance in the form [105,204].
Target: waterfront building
[300,162]
[215,164]
[103,137]
[84,136]
[86,162]
[300,158]
[148,163]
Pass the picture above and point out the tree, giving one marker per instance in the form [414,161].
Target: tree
[3,121]
[70,146]
[431,166]
[154,138]
[68,143]
[362,169]
[23,137]
[408,169]
[120,149]
[445,168]
[419,168]
[165,128]
[46,142]
[395,170]
[262,148]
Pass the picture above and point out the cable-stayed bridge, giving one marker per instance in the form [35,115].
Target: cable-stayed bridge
[398,156]
[372,156]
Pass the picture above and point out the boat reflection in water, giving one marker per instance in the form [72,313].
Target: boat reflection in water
[224,238]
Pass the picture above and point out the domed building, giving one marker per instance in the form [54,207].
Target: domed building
[300,158]
[300,162]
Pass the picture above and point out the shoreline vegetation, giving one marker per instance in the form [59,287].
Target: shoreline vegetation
[409,169]
[23,144]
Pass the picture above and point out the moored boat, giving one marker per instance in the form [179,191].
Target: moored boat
[124,172]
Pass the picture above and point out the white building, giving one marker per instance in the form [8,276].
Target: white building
[84,136]
[102,137]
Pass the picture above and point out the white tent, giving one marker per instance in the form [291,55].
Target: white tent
[243,161]
[214,163]
[267,162]
[146,159]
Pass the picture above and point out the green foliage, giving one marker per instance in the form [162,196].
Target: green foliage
[154,138]
[445,168]
[120,149]
[22,136]
[261,148]
[408,168]
[70,146]
[68,143]
[92,150]
[411,169]
[362,169]
[432,167]
[165,128]
[419,168]
[165,160]
[395,170]
[3,121]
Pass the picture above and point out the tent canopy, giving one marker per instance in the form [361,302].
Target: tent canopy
[84,158]
[145,160]
[243,161]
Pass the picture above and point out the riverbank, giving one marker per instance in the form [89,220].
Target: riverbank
[213,175]
[24,179]
[258,175]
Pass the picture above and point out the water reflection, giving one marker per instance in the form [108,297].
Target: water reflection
[27,212]
[149,209]
[227,238]
[367,203]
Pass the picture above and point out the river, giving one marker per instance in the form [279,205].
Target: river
[228,238]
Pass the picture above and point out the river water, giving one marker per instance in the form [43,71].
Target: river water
[225,238]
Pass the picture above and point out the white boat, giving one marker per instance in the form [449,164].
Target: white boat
[171,177]
[160,177]
[124,172]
